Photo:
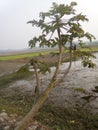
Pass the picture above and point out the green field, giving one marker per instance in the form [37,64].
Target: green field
[28,55]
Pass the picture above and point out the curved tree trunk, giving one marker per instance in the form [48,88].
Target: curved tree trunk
[70,64]
[54,81]
[33,112]
[28,118]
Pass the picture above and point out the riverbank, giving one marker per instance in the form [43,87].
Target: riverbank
[78,83]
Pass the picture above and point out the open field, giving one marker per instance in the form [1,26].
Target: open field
[29,54]
[25,55]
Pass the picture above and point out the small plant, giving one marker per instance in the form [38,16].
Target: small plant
[23,69]
[23,72]
[81,90]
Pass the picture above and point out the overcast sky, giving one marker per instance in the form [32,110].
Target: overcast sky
[14,14]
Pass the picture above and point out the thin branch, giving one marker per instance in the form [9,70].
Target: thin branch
[68,69]
[37,87]
[51,36]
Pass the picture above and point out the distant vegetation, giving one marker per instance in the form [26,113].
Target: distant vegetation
[93,45]
[26,55]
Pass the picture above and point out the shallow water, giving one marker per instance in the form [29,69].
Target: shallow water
[64,94]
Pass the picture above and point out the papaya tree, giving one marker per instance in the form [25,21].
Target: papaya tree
[60,25]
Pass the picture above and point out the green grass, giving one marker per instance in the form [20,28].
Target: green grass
[79,89]
[28,55]
[22,73]
[19,56]
[93,49]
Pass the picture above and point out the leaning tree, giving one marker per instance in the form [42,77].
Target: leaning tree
[61,25]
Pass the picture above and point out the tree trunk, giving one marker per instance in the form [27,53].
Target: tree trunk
[70,64]
[54,81]
[37,87]
[32,113]
[28,118]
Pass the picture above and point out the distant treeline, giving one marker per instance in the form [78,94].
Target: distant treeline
[94,43]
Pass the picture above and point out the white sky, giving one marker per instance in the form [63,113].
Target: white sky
[14,14]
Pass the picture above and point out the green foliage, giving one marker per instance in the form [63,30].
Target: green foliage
[79,17]
[67,30]
[23,69]
[33,61]
[56,20]
[88,63]
[42,66]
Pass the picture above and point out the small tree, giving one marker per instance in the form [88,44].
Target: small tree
[60,25]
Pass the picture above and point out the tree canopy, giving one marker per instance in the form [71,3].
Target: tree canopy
[61,19]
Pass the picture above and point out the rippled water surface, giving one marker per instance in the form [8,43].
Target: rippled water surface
[64,94]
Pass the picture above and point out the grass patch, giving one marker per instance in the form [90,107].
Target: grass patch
[79,89]
[68,119]
[22,73]
[17,103]
[20,56]
[58,118]
[28,55]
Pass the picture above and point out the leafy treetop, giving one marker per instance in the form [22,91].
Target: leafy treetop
[60,24]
